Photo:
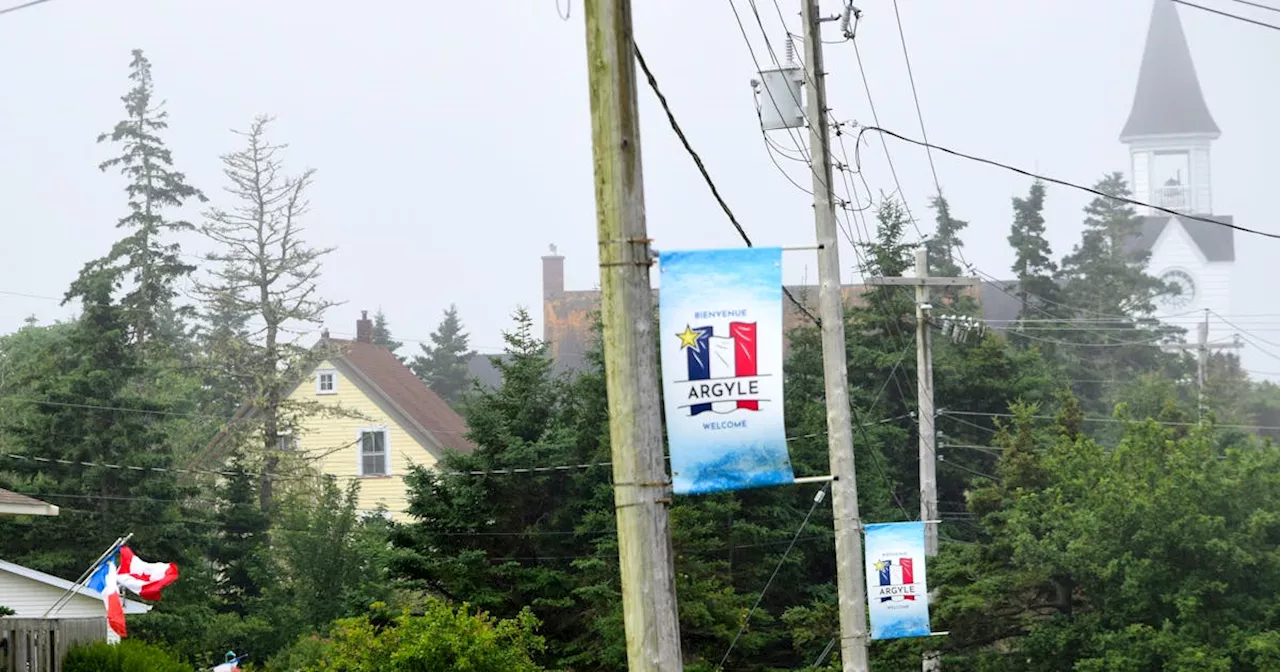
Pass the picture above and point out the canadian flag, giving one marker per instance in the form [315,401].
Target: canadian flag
[146,579]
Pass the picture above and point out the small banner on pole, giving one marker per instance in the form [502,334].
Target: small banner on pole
[720,313]
[897,592]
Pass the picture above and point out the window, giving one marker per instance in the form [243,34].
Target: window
[287,441]
[373,452]
[326,382]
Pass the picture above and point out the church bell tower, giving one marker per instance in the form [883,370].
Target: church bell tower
[1169,133]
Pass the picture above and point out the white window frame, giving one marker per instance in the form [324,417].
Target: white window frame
[286,441]
[386,451]
[333,376]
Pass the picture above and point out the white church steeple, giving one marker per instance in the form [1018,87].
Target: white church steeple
[1169,128]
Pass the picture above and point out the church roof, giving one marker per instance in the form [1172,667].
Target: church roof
[1216,242]
[1168,100]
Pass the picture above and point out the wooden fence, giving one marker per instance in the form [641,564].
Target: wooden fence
[40,644]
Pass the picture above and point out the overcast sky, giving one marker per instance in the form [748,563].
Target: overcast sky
[452,143]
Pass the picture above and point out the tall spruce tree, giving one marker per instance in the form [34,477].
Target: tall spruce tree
[1105,283]
[265,271]
[1033,264]
[443,365]
[945,242]
[382,334]
[239,547]
[148,258]
[1106,275]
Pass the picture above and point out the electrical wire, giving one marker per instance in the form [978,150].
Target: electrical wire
[915,96]
[1229,15]
[24,5]
[1258,5]
[817,499]
[1061,182]
[1119,421]
[702,168]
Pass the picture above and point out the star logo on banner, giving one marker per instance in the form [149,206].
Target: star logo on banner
[688,338]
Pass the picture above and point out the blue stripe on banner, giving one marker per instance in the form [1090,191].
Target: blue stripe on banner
[700,363]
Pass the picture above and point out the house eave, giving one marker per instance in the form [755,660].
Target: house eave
[41,509]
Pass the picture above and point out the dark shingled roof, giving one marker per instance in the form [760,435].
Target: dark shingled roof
[1168,99]
[1216,243]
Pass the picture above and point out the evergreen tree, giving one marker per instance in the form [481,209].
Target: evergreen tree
[81,408]
[151,263]
[443,365]
[1033,264]
[265,271]
[382,334]
[1105,274]
[239,549]
[946,240]
[1105,282]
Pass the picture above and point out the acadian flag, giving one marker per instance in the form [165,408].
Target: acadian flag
[104,580]
[125,570]
[720,315]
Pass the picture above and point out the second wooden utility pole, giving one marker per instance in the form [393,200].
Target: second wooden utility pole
[1202,348]
[850,573]
[924,406]
[641,488]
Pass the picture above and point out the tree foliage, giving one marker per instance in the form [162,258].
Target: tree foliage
[443,365]
[440,637]
[382,334]
[265,272]
[151,263]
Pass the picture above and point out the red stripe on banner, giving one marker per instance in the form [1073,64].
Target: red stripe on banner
[744,355]
[908,571]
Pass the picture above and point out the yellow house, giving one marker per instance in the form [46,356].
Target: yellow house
[403,421]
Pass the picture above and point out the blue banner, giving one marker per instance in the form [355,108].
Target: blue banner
[720,313]
[897,592]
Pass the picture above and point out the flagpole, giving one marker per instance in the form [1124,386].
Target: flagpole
[62,599]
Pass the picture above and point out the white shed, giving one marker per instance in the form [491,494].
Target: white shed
[31,593]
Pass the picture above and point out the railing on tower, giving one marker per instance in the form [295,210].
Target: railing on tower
[1175,197]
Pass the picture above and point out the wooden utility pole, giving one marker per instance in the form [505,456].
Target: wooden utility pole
[1202,348]
[924,402]
[850,573]
[641,490]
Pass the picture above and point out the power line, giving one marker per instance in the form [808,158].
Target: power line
[817,499]
[1166,423]
[1229,15]
[915,96]
[1065,183]
[24,5]
[871,105]
[702,168]
[1258,5]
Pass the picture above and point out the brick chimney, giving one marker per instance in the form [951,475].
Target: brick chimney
[552,274]
[364,328]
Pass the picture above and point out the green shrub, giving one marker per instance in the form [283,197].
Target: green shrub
[6,611]
[440,638]
[127,656]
